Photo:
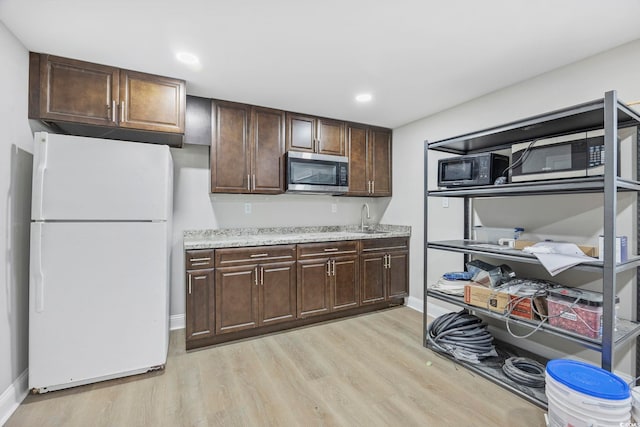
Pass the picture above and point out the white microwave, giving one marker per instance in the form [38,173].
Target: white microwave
[316,173]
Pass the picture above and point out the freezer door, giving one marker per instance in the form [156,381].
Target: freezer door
[78,178]
[98,301]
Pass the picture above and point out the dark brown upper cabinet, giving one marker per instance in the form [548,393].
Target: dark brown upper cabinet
[72,94]
[247,149]
[315,135]
[369,152]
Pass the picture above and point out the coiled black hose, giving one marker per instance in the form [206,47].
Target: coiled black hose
[524,371]
[461,335]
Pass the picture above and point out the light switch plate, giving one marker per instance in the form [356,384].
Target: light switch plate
[247,208]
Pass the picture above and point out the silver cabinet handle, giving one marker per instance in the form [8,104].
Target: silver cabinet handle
[330,249]
[258,255]
[262,276]
[254,182]
[329,268]
[369,188]
[248,182]
[255,279]
[373,187]
[333,265]
[113,111]
[189,284]
[122,112]
[384,262]
[199,261]
[389,261]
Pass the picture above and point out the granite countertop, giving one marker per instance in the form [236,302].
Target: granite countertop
[244,237]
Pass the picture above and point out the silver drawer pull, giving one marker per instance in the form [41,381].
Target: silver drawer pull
[194,264]
[200,259]
[258,255]
[330,249]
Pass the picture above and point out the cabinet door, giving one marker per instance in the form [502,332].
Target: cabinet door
[236,298]
[267,162]
[200,304]
[345,283]
[357,138]
[301,133]
[398,274]
[76,91]
[372,279]
[230,148]
[277,292]
[380,161]
[330,137]
[313,287]
[151,102]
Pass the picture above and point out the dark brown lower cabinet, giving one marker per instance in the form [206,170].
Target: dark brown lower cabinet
[328,277]
[249,293]
[234,293]
[200,303]
[385,269]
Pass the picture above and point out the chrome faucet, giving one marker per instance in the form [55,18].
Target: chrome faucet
[362,226]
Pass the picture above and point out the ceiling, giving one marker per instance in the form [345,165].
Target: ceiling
[416,57]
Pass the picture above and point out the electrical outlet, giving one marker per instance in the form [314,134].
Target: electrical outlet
[445,202]
[247,208]
[334,208]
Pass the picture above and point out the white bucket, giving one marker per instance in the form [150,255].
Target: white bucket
[583,395]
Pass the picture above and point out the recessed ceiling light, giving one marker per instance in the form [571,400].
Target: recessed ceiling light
[187,58]
[364,97]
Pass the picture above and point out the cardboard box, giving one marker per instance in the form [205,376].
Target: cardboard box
[490,299]
[501,302]
[591,251]
[524,307]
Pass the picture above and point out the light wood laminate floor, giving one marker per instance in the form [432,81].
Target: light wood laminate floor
[369,370]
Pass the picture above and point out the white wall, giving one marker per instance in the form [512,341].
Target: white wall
[586,80]
[15,206]
[195,208]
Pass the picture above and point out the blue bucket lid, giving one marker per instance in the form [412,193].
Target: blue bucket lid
[588,379]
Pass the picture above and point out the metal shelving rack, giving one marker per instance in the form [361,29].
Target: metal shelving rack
[608,113]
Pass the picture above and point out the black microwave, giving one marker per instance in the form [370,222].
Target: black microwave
[569,156]
[316,173]
[472,170]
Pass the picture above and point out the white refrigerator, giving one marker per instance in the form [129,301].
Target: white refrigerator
[99,266]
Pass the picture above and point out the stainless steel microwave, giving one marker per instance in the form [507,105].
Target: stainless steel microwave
[568,156]
[316,173]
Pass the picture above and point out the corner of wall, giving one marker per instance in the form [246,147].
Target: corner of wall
[11,398]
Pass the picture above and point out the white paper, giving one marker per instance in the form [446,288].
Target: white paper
[558,257]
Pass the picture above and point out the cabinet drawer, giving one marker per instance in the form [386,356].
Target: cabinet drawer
[256,254]
[199,259]
[315,250]
[390,244]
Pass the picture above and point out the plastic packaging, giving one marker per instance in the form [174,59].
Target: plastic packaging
[494,234]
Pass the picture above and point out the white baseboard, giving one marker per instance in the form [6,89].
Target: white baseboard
[11,398]
[415,303]
[433,309]
[177,321]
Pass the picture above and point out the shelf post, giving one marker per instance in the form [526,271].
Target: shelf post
[609,287]
[424,244]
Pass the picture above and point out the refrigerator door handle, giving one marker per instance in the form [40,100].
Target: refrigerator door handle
[40,169]
[38,275]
